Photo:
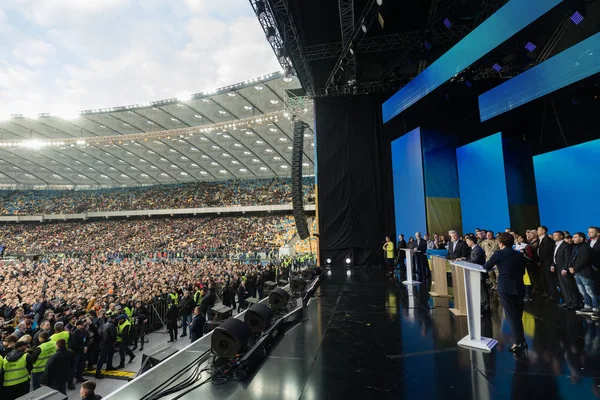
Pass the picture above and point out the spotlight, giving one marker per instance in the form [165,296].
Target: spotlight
[260,8]
[530,47]
[328,261]
[379,2]
[348,261]
[348,272]
[447,23]
[497,67]
[364,28]
[577,18]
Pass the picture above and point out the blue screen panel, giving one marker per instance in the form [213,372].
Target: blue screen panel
[409,187]
[568,187]
[482,183]
[570,66]
[506,22]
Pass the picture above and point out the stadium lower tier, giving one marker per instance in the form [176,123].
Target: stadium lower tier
[226,237]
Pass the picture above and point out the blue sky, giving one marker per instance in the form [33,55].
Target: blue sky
[60,56]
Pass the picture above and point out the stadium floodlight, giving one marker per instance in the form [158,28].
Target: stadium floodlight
[33,144]
[184,97]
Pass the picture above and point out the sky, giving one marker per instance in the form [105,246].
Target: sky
[61,56]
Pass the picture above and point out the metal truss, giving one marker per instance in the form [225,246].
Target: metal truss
[277,20]
[347,56]
[554,39]
[347,28]
[389,42]
[358,89]
[299,107]
[488,7]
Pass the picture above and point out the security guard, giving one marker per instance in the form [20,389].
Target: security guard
[59,328]
[129,310]
[174,296]
[123,338]
[16,368]
[198,296]
[41,354]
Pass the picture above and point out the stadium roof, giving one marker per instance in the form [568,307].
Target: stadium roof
[239,131]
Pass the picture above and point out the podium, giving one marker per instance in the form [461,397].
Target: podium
[409,267]
[440,280]
[472,280]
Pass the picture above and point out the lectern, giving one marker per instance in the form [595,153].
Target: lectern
[409,267]
[440,279]
[472,274]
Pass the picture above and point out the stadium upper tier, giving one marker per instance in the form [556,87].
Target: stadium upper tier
[247,192]
[236,132]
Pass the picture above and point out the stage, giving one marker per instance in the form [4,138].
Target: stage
[366,336]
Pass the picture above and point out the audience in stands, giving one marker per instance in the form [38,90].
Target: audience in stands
[191,195]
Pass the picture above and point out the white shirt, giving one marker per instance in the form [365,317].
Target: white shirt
[556,249]
[593,242]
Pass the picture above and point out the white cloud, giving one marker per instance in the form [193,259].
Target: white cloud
[72,54]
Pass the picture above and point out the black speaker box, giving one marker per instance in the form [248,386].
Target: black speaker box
[258,317]
[43,393]
[297,190]
[229,338]
[278,299]
[308,273]
[152,360]
[297,285]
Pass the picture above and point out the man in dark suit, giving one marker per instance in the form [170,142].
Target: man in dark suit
[197,325]
[560,265]
[545,255]
[420,258]
[581,267]
[594,234]
[477,256]
[457,248]
[511,289]
[400,256]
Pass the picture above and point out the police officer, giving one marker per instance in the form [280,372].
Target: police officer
[108,338]
[123,339]
[41,355]
[15,370]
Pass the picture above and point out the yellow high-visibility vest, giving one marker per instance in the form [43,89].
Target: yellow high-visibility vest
[15,372]
[47,350]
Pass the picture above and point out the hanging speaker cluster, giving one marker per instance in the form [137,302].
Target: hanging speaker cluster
[297,190]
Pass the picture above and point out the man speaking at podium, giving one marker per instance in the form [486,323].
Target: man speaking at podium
[477,256]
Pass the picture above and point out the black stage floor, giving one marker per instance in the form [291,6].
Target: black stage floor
[367,337]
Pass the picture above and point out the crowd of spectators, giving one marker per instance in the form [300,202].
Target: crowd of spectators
[230,237]
[190,195]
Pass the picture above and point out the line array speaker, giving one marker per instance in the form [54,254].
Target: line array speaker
[297,190]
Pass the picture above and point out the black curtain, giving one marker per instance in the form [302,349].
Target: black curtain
[356,202]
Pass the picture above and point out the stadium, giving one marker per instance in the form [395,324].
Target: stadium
[285,199]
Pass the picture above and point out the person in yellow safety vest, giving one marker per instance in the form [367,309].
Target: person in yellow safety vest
[388,248]
[123,339]
[198,297]
[174,296]
[15,371]
[41,355]
[59,328]
[129,310]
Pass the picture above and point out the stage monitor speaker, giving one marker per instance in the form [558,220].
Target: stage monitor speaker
[229,338]
[297,190]
[43,393]
[278,299]
[258,317]
[297,285]
[308,273]
[318,270]
[150,361]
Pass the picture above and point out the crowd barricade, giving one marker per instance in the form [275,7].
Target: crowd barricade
[158,315]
